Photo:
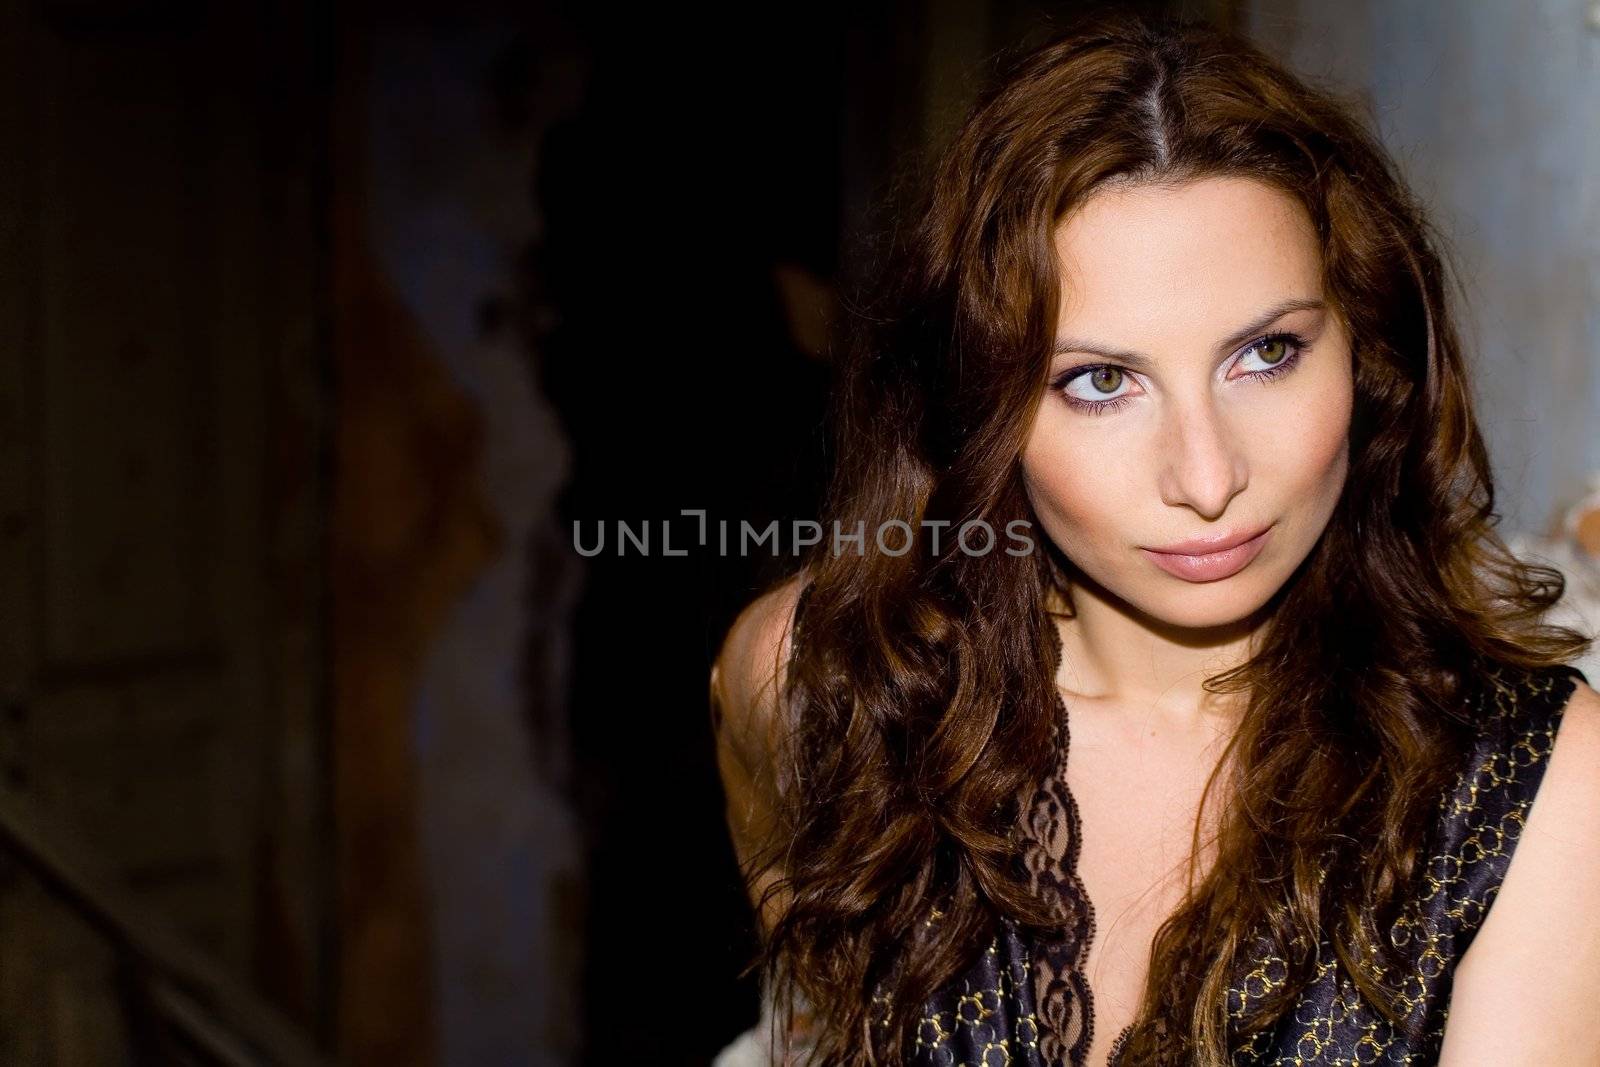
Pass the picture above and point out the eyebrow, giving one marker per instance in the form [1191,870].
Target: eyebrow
[1137,361]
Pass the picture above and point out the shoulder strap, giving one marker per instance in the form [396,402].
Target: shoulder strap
[1482,816]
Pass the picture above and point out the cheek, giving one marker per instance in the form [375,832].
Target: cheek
[1314,445]
[1079,496]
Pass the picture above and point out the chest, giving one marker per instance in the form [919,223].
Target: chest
[1138,787]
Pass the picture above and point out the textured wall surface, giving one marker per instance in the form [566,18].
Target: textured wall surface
[1494,112]
[450,211]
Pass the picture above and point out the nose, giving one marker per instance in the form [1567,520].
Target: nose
[1203,467]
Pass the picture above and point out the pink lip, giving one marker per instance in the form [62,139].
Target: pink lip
[1209,559]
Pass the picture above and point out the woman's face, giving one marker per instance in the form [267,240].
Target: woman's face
[1200,395]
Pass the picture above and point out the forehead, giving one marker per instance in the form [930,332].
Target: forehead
[1203,255]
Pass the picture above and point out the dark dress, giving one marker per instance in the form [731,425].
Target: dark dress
[1023,1001]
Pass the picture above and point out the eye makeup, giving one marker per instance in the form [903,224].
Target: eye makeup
[1297,348]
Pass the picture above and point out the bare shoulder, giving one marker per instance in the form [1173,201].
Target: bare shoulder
[1523,992]
[1563,824]
[748,669]
[745,678]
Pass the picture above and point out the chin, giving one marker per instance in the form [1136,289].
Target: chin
[1206,605]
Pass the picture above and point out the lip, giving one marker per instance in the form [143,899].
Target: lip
[1205,546]
[1210,559]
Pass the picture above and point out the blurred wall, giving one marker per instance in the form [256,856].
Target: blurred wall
[452,113]
[1491,110]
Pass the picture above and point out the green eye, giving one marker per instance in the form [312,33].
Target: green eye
[1095,389]
[1274,354]
[1106,379]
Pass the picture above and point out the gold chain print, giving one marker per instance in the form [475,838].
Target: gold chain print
[988,1017]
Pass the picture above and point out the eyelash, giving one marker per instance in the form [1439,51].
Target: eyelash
[1296,343]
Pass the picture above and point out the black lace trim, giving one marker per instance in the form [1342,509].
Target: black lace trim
[1114,1057]
[1052,840]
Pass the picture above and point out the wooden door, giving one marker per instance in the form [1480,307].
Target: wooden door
[160,428]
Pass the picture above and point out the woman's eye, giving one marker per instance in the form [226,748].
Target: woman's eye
[1100,389]
[1097,383]
[1270,352]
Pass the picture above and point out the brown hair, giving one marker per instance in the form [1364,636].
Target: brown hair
[920,695]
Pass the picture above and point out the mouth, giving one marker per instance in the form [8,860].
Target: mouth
[1210,559]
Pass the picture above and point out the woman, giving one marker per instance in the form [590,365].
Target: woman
[1175,312]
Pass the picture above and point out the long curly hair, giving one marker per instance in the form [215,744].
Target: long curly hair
[919,697]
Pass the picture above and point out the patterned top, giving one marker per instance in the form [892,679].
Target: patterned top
[1026,1004]
[1024,1001]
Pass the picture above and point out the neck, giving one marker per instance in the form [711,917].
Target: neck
[1113,652]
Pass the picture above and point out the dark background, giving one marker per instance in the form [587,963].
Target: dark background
[325,323]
